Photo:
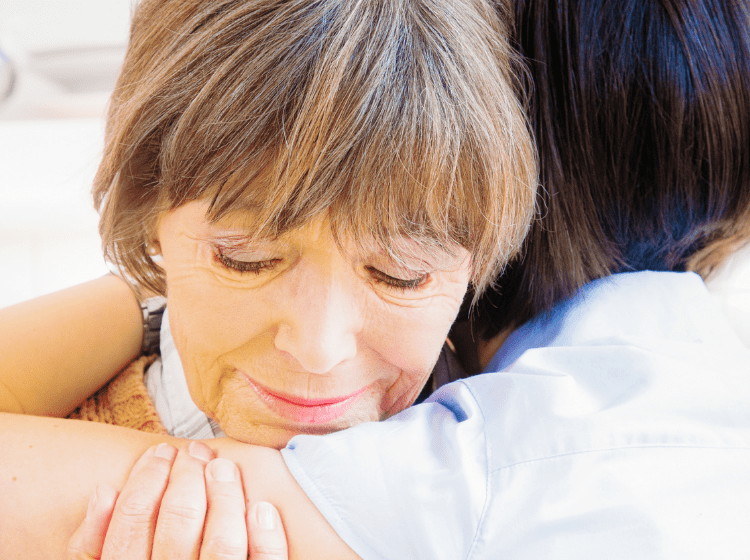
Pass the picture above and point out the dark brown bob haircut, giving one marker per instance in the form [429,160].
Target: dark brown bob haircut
[641,110]
[391,117]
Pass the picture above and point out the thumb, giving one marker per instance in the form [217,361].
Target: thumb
[88,540]
[266,533]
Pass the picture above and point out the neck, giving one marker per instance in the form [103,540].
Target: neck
[486,349]
[474,353]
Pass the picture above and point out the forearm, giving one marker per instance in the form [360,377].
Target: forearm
[60,348]
[50,467]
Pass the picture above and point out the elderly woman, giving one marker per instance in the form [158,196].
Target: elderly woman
[614,423]
[313,185]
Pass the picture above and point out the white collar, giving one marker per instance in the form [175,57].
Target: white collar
[167,387]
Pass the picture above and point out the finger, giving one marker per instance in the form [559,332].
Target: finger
[182,513]
[225,536]
[266,533]
[88,540]
[131,530]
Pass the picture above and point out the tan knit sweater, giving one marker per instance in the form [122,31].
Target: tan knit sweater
[124,401]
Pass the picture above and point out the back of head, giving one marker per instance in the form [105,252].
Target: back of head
[642,117]
[392,117]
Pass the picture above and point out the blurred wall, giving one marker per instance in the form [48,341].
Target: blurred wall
[54,24]
[65,56]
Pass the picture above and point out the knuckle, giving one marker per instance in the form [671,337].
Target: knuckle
[75,553]
[224,548]
[183,511]
[268,551]
[136,510]
[226,491]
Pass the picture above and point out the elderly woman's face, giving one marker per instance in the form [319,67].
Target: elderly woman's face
[294,335]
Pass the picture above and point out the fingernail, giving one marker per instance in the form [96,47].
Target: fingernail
[265,515]
[165,451]
[223,470]
[200,451]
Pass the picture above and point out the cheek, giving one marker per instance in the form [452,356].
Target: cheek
[411,344]
[412,338]
[415,333]
[210,316]
[209,321]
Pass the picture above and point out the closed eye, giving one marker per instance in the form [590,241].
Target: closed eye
[397,283]
[255,267]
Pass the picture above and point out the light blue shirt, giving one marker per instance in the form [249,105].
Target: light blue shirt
[616,427]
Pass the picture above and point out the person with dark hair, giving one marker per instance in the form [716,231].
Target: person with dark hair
[643,128]
[611,419]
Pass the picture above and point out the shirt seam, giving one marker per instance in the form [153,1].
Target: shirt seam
[622,448]
[488,479]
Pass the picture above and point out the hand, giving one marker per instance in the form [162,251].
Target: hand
[178,505]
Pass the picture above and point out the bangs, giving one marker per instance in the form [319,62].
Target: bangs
[382,204]
[394,119]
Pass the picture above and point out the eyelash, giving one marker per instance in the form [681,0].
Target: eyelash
[256,267]
[397,283]
[243,267]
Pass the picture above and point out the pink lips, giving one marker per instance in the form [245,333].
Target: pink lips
[308,411]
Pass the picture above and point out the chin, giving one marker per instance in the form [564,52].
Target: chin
[277,437]
[264,436]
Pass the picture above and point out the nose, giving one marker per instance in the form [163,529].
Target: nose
[320,322]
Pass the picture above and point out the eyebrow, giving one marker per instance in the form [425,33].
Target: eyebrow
[236,236]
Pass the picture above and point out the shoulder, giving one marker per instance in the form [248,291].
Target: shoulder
[413,486]
[625,434]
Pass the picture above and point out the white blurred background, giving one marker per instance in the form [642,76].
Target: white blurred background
[58,64]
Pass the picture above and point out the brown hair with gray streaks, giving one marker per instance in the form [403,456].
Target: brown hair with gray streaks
[394,117]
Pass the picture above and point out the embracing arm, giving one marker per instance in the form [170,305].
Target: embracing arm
[50,467]
[58,349]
